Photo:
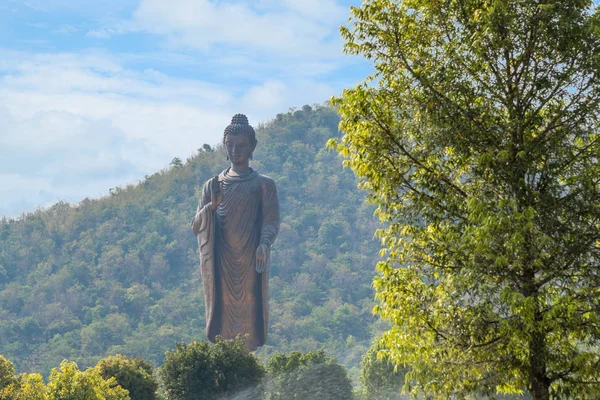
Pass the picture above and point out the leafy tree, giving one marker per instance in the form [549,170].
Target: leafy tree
[69,383]
[379,378]
[310,375]
[25,387]
[7,372]
[478,139]
[133,374]
[176,162]
[200,370]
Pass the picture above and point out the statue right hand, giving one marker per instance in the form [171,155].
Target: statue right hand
[216,193]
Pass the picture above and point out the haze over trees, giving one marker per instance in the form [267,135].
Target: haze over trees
[379,377]
[477,138]
[311,375]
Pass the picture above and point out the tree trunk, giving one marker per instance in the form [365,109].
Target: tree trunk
[538,380]
[540,390]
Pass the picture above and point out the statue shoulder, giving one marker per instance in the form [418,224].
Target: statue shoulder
[217,177]
[267,182]
[206,186]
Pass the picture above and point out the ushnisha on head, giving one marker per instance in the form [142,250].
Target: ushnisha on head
[239,139]
[239,125]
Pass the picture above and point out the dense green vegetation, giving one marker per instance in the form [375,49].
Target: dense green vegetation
[194,371]
[478,137]
[134,374]
[120,274]
[66,382]
[200,370]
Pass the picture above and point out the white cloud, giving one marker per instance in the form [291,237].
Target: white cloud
[72,125]
[71,119]
[103,33]
[96,9]
[266,96]
[56,156]
[67,29]
[291,28]
[265,100]
[96,86]
[320,10]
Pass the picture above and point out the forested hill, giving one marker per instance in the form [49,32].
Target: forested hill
[120,274]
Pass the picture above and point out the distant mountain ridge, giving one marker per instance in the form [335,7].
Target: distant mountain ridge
[120,273]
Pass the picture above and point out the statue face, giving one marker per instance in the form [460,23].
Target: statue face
[239,149]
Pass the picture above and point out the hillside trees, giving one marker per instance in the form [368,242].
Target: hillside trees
[477,137]
[119,274]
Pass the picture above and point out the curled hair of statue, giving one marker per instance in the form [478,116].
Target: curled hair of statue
[239,125]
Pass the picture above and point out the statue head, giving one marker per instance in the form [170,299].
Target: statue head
[239,139]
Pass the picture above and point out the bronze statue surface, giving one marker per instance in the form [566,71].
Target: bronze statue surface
[236,223]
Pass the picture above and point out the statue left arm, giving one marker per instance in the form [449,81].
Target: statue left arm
[205,200]
[270,224]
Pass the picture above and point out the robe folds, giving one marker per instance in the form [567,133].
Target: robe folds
[235,295]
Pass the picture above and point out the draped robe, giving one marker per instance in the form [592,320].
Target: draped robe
[236,296]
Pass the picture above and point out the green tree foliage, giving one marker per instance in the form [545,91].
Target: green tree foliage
[69,383]
[478,139]
[310,375]
[200,370]
[25,387]
[7,372]
[133,374]
[176,163]
[380,379]
[119,274]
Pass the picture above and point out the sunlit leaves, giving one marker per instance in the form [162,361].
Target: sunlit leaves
[477,138]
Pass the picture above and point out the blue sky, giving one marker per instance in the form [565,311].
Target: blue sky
[96,94]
